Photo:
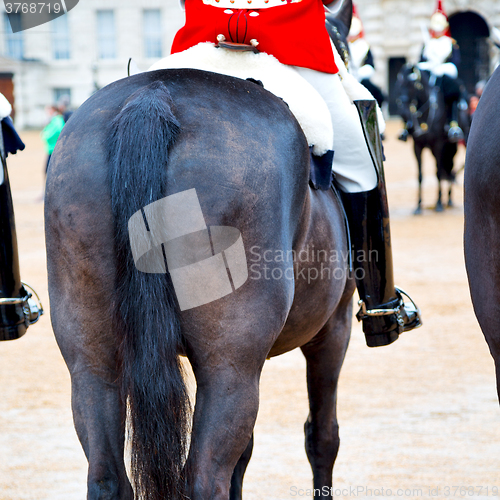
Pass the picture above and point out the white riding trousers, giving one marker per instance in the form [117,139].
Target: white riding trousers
[352,163]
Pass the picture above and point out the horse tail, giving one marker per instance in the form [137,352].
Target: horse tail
[151,378]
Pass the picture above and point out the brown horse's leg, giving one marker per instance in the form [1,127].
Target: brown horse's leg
[418,155]
[227,343]
[437,151]
[224,417]
[98,412]
[324,355]
[236,490]
[81,293]
[99,422]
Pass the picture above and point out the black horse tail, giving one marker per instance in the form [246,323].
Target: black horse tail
[151,376]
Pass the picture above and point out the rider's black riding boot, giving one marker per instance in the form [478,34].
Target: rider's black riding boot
[455,133]
[17,308]
[383,311]
[452,96]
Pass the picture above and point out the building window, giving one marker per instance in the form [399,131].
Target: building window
[60,38]
[152,33]
[14,42]
[62,96]
[106,37]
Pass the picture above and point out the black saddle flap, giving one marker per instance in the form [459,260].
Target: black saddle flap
[320,176]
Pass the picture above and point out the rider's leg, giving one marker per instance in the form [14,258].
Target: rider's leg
[359,174]
[17,307]
[352,164]
[451,93]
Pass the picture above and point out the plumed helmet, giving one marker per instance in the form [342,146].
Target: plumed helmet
[356,30]
[439,21]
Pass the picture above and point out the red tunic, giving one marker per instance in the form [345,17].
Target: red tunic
[294,33]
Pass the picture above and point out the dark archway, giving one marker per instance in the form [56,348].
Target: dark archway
[471,32]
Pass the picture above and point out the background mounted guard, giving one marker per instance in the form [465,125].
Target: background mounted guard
[441,57]
[362,64]
[18,309]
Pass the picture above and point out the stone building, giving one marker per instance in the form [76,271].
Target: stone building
[85,49]
[90,46]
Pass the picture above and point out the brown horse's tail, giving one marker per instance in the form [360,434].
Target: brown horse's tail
[147,312]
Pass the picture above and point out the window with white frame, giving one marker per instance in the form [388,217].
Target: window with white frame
[153,42]
[62,96]
[60,38]
[106,34]
[14,42]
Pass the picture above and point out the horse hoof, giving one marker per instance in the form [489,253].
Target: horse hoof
[403,136]
[439,208]
[418,211]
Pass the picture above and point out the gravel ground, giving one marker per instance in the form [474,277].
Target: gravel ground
[419,418]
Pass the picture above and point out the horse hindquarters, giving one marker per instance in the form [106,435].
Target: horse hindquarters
[482,217]
[481,244]
[238,147]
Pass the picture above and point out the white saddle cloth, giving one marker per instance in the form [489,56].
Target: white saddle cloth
[304,101]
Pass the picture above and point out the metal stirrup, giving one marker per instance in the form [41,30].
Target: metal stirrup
[31,309]
[376,312]
[386,312]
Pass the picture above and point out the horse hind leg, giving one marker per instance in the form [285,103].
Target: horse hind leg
[98,410]
[418,155]
[81,293]
[227,368]
[99,421]
[445,172]
[324,356]
[439,203]
[236,489]
[224,416]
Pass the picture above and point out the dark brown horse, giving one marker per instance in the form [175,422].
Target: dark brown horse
[144,139]
[482,215]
